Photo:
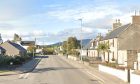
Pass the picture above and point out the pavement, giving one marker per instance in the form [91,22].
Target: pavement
[104,78]
[27,67]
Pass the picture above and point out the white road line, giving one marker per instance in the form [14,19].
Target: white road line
[21,76]
[99,79]
[93,76]
[26,76]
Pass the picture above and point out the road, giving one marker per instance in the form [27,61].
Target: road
[51,70]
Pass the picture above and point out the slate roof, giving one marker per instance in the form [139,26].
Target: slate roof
[88,45]
[17,46]
[116,32]
[1,48]
[27,42]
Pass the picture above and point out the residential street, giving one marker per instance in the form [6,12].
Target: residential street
[51,70]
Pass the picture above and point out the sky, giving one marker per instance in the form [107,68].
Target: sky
[51,21]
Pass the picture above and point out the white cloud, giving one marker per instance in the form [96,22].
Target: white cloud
[96,18]
[88,13]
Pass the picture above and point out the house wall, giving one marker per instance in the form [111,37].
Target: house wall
[113,47]
[138,61]
[26,47]
[10,50]
[92,53]
[84,52]
[130,38]
[131,58]
[122,56]
[127,57]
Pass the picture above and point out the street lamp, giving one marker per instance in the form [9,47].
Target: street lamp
[81,39]
[67,47]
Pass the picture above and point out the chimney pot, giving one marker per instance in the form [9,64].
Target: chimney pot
[135,12]
[118,20]
[136,19]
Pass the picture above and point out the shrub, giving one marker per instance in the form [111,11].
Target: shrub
[87,59]
[74,53]
[6,60]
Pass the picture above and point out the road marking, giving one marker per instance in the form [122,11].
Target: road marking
[26,75]
[92,75]
[101,81]
[23,76]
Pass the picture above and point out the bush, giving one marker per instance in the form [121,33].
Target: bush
[6,60]
[115,65]
[86,59]
[74,53]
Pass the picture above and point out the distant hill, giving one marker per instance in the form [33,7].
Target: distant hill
[56,44]
[84,42]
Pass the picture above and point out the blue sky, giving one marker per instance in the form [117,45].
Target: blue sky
[51,21]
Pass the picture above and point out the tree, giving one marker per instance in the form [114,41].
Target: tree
[31,49]
[103,47]
[71,45]
[48,50]
[64,47]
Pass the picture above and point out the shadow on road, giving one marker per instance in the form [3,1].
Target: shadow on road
[52,69]
[41,56]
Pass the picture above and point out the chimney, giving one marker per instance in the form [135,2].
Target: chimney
[136,18]
[117,24]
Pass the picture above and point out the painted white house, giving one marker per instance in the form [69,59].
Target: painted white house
[124,41]
[90,49]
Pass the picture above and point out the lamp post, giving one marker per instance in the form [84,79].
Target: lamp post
[81,21]
[67,48]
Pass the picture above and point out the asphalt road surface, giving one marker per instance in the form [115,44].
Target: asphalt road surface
[51,70]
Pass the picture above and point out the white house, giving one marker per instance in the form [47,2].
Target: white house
[124,41]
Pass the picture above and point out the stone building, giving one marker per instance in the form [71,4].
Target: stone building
[13,49]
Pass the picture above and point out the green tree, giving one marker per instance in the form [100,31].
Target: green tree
[102,48]
[31,49]
[48,50]
[71,45]
[64,47]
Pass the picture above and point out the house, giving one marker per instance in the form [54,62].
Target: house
[124,41]
[39,49]
[26,44]
[13,49]
[90,49]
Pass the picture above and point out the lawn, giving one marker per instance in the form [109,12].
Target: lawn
[2,71]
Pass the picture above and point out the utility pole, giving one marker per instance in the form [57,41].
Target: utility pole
[81,39]
[67,47]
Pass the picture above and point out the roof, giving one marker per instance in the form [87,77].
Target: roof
[27,42]
[17,46]
[88,45]
[116,32]
[1,48]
